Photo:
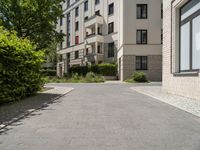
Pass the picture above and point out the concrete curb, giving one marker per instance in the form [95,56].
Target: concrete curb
[3,126]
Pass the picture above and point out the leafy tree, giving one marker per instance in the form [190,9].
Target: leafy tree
[32,19]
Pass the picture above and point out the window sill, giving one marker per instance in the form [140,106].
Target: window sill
[195,73]
[142,18]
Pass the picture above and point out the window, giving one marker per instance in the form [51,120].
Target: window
[60,58]
[190,36]
[111,9]
[86,6]
[68,30]
[97,12]
[76,54]
[68,3]
[61,21]
[61,43]
[141,37]
[161,36]
[77,40]
[77,11]
[86,18]
[111,27]
[99,49]
[162,11]
[97,2]
[141,11]
[111,50]
[68,56]
[141,62]
[77,26]
[87,51]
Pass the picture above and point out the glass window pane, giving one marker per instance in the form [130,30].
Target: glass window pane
[196,43]
[138,12]
[138,36]
[185,47]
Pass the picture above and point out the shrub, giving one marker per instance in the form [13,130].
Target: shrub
[108,69]
[94,69]
[48,72]
[104,69]
[20,67]
[90,75]
[139,77]
[93,78]
[76,76]
[80,70]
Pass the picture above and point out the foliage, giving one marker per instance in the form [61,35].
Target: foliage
[103,69]
[107,69]
[80,70]
[33,19]
[94,68]
[48,72]
[138,77]
[75,78]
[20,67]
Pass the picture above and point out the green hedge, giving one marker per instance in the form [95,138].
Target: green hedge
[49,72]
[80,70]
[104,69]
[20,67]
[107,69]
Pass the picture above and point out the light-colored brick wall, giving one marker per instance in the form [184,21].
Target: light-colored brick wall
[187,86]
[154,72]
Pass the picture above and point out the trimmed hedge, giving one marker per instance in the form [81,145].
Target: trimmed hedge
[80,70]
[107,69]
[49,72]
[20,67]
[103,69]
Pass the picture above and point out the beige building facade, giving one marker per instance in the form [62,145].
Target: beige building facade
[127,32]
[181,47]
[140,39]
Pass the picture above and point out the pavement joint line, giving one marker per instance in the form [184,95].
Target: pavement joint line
[3,126]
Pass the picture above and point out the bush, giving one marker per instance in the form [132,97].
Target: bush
[139,77]
[20,67]
[49,72]
[94,69]
[107,69]
[104,69]
[80,70]
[90,75]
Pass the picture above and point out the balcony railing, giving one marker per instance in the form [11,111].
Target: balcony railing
[92,35]
[94,16]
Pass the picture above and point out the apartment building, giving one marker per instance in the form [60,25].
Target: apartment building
[140,45]
[127,32]
[181,47]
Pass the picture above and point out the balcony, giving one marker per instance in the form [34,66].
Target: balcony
[94,58]
[93,38]
[96,19]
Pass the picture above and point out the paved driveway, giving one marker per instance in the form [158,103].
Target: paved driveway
[104,117]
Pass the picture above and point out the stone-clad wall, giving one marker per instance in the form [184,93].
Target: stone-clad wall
[154,72]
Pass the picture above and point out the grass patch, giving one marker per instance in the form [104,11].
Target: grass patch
[75,78]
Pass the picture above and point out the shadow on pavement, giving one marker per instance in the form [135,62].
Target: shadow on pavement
[12,113]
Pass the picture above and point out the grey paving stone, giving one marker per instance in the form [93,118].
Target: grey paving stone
[104,117]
